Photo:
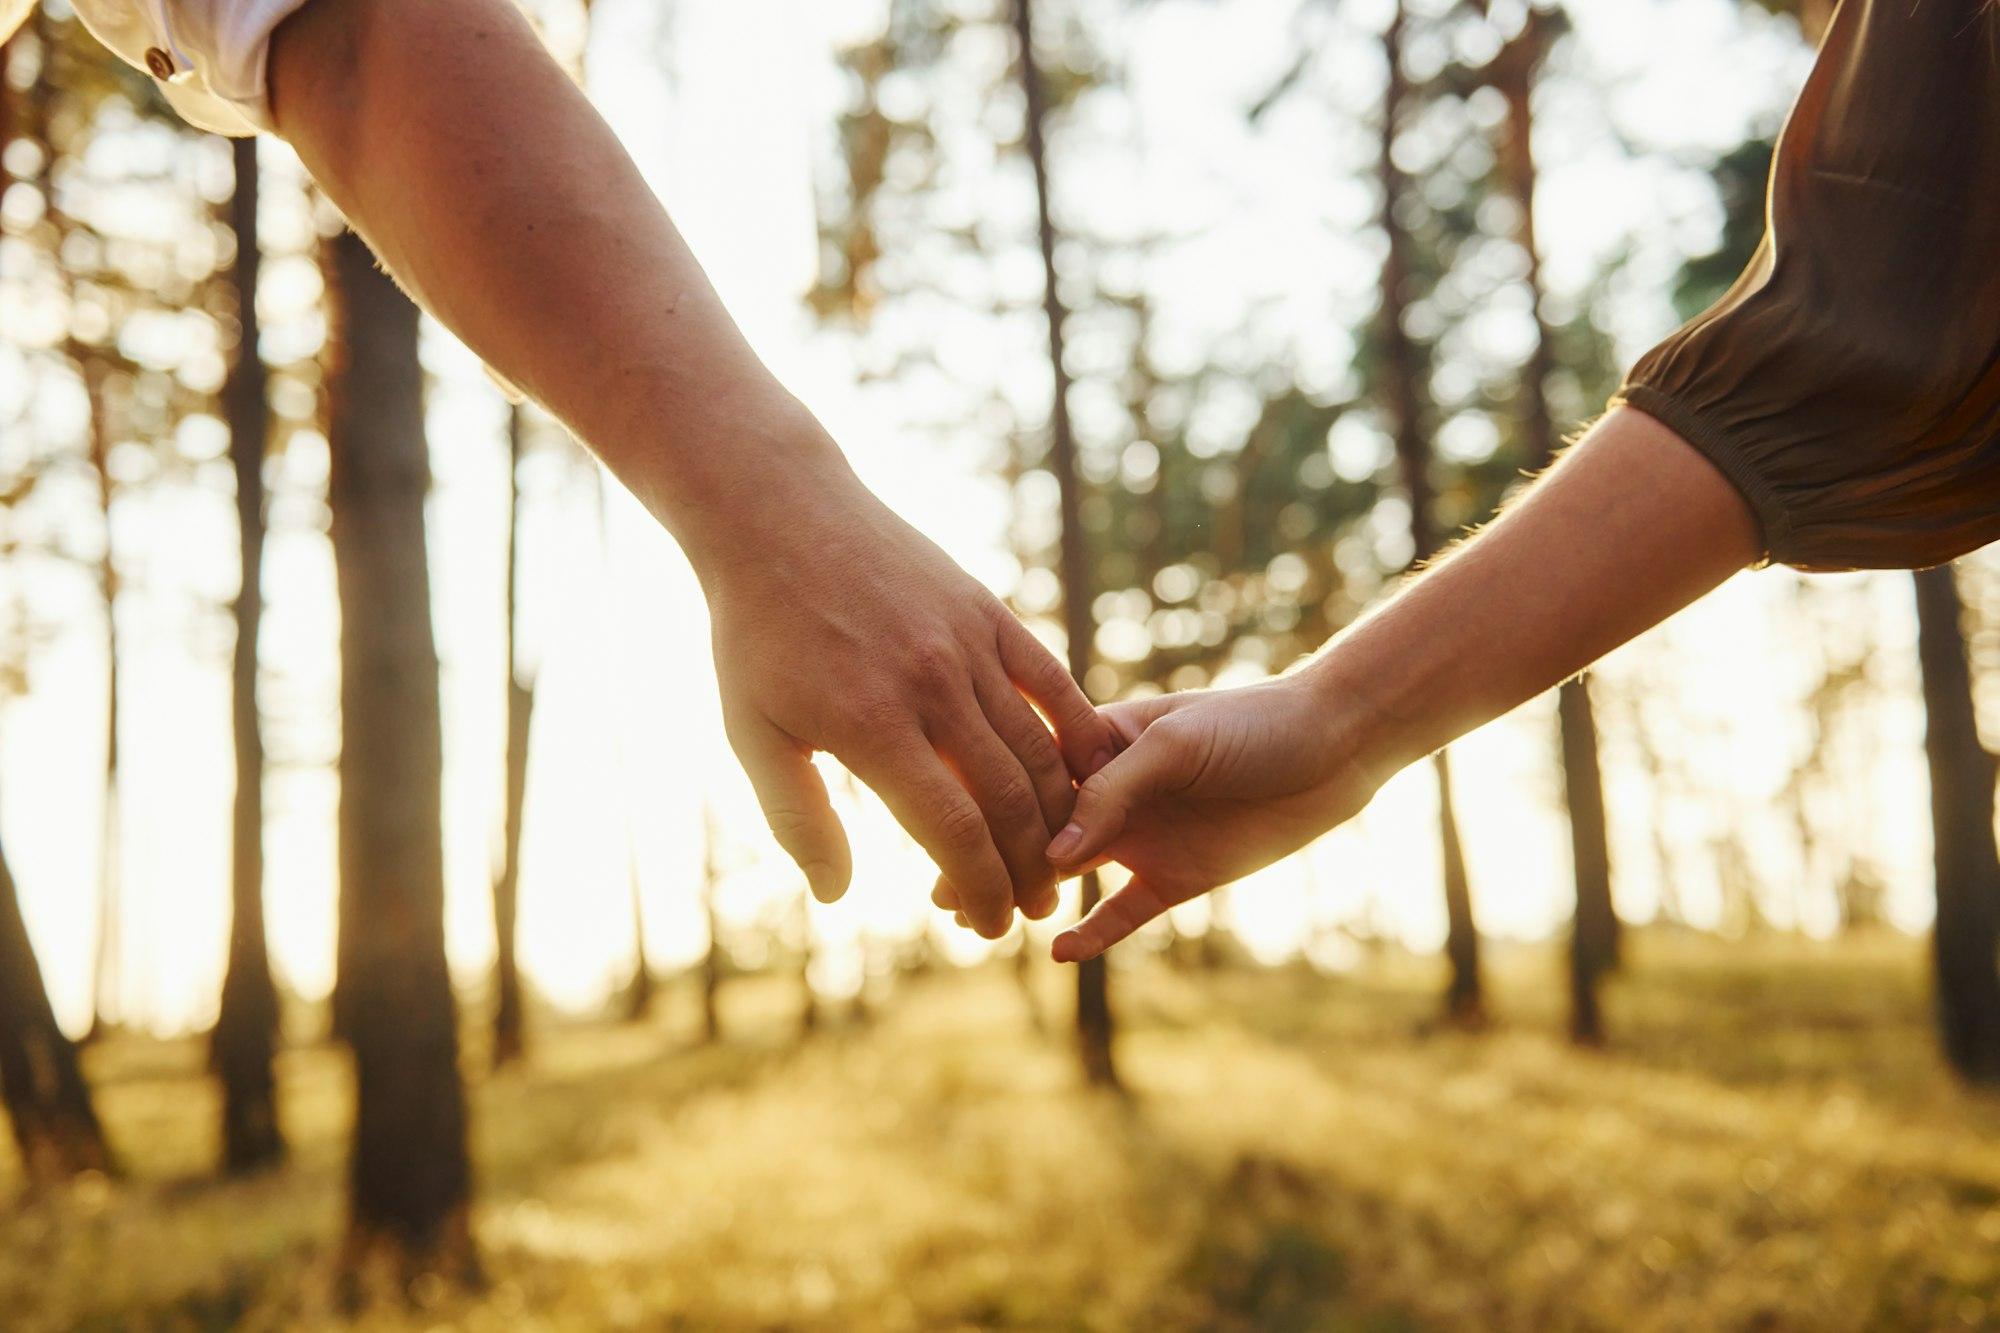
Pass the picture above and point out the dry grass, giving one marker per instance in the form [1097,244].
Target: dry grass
[1769,1144]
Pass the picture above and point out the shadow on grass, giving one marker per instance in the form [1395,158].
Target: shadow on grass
[527,1132]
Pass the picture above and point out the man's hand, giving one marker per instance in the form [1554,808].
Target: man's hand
[838,627]
[501,200]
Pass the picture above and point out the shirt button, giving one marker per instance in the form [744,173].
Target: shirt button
[159,63]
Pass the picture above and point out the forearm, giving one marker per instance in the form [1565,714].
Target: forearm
[496,194]
[1631,526]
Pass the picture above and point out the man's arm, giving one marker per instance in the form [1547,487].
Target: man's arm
[1625,530]
[495,193]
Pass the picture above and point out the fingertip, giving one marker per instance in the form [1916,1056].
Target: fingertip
[1067,947]
[827,883]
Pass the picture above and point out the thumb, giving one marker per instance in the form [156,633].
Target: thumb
[1149,766]
[796,806]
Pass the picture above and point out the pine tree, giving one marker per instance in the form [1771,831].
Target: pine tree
[410,1178]
[246,1027]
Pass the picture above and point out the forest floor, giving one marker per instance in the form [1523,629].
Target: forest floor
[1769,1142]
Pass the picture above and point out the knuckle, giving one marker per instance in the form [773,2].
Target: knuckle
[874,716]
[1037,750]
[1178,734]
[960,826]
[788,824]
[932,665]
[1016,803]
[1050,675]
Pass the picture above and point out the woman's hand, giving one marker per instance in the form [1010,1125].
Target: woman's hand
[1629,527]
[1206,787]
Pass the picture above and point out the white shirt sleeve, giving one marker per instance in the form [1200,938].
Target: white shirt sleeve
[209,56]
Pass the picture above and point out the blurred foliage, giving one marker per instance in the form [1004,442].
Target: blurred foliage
[1740,176]
[1239,508]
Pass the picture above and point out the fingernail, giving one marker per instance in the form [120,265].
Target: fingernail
[1066,842]
[1099,760]
[825,886]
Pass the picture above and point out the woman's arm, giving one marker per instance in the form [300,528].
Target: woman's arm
[1629,527]
[496,194]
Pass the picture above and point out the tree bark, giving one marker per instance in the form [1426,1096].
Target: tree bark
[1962,773]
[41,1082]
[108,959]
[246,1027]
[1594,935]
[1093,999]
[1595,932]
[509,1038]
[1404,394]
[410,1180]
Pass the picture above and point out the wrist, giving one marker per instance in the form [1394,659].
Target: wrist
[1359,728]
[732,489]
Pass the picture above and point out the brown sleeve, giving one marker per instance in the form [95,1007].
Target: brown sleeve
[1848,384]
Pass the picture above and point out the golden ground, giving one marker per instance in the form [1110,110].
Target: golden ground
[1770,1142]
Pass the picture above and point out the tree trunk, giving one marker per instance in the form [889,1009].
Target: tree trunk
[1962,775]
[246,1026]
[809,1015]
[49,1104]
[711,959]
[41,1083]
[509,1039]
[1093,999]
[109,957]
[638,991]
[410,1180]
[1594,933]
[1404,391]
[1024,979]
[1464,999]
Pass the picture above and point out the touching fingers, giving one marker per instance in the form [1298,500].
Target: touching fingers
[1021,731]
[1086,739]
[945,898]
[795,804]
[1151,765]
[1007,799]
[1109,922]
